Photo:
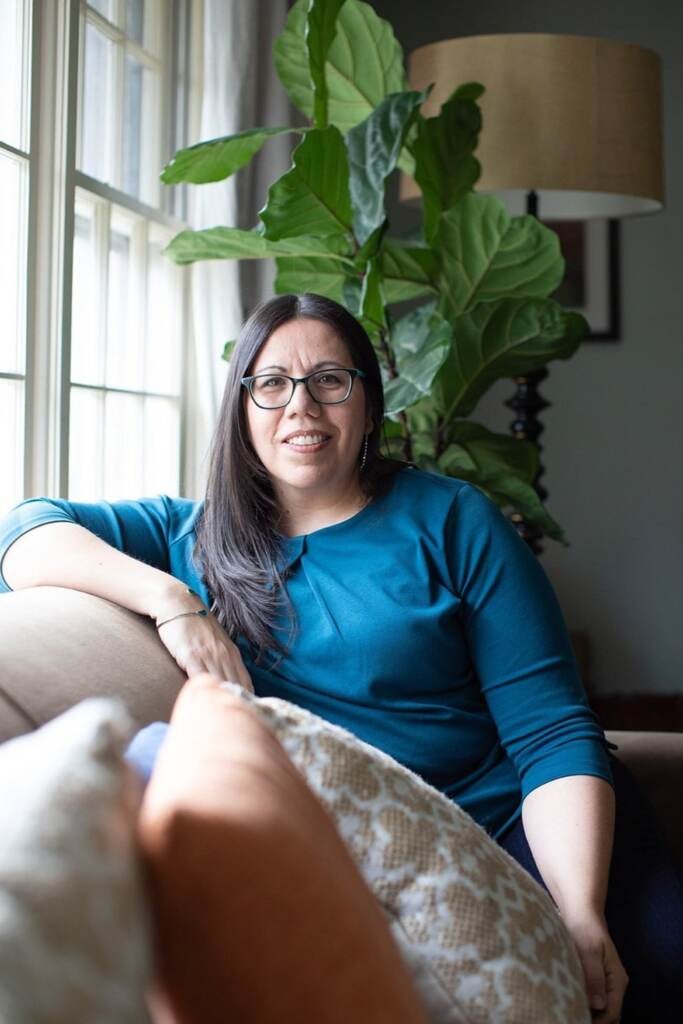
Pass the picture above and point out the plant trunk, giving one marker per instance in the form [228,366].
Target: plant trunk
[403,419]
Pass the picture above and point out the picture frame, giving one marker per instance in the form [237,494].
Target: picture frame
[591,285]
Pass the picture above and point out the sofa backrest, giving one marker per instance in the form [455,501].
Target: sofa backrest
[59,646]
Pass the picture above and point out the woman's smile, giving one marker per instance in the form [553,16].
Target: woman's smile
[307,441]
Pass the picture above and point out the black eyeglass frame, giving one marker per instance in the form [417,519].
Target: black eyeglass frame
[248,382]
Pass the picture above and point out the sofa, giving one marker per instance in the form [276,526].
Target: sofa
[58,646]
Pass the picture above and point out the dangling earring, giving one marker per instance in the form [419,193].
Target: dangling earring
[364,456]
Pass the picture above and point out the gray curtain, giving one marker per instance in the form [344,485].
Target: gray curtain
[235,88]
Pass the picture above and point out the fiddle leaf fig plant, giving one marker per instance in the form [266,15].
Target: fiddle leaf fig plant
[477,279]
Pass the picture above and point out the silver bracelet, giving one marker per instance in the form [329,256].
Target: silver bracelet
[203,612]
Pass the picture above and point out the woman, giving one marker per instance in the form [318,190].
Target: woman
[396,603]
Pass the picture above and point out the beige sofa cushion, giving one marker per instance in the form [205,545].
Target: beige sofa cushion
[58,646]
[473,925]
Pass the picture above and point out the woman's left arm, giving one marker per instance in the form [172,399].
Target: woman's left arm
[569,825]
[528,675]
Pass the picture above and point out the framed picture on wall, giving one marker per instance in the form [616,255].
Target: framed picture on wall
[592,281]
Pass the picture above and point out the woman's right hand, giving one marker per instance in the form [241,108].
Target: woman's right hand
[200,644]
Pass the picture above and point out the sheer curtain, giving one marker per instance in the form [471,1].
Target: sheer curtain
[237,88]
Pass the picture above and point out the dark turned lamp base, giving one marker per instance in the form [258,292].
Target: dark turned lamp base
[526,404]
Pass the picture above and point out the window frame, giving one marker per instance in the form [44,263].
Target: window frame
[22,152]
[56,63]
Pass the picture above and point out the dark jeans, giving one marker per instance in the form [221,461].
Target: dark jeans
[644,908]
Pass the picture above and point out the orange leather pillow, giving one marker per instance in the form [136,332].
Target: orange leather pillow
[261,913]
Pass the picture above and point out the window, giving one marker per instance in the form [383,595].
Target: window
[15,35]
[124,436]
[91,350]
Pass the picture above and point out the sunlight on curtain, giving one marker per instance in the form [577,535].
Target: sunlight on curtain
[239,90]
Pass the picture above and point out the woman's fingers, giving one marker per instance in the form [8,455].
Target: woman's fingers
[606,979]
[616,988]
[243,678]
[194,667]
[596,981]
[233,668]
[201,645]
[234,672]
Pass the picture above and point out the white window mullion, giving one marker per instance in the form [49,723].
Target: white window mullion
[53,144]
[189,470]
[80,78]
[101,228]
[156,27]
[141,55]
[139,255]
[120,13]
[27,43]
[15,177]
[128,202]
[118,87]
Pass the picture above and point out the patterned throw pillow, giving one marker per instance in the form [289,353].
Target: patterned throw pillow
[484,941]
[75,942]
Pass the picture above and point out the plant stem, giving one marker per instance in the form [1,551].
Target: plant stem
[388,354]
[440,443]
[407,440]
[393,372]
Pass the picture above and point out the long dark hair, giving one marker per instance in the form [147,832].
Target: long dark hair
[238,546]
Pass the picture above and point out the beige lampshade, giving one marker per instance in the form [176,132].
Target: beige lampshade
[574,118]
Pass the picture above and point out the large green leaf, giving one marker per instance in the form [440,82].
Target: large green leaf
[487,255]
[364,63]
[457,461]
[445,168]
[503,339]
[372,311]
[410,334]
[320,30]
[468,91]
[310,274]
[374,147]
[408,270]
[392,429]
[352,294]
[218,158]
[507,490]
[489,451]
[235,244]
[423,419]
[370,246]
[418,369]
[501,465]
[419,423]
[313,197]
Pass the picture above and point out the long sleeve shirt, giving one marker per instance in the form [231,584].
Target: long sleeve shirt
[424,625]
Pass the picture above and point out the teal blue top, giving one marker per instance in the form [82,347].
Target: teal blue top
[424,625]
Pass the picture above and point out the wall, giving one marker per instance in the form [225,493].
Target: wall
[613,447]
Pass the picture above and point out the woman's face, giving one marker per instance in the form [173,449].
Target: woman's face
[308,448]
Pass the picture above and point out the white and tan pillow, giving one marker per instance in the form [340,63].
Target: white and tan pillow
[484,941]
[75,941]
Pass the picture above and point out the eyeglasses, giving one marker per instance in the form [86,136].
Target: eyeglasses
[276,390]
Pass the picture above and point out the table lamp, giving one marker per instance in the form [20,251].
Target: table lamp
[571,131]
